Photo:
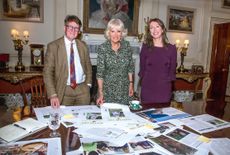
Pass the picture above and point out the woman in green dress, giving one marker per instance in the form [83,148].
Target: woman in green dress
[115,66]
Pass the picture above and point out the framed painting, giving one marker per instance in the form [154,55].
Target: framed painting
[22,10]
[97,14]
[180,19]
[226,4]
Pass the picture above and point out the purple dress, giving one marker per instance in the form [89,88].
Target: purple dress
[157,71]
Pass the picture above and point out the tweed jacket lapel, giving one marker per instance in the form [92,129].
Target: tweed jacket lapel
[63,55]
[80,52]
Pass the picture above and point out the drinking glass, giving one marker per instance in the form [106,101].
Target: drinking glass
[54,124]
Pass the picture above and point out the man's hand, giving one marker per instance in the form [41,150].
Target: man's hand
[54,101]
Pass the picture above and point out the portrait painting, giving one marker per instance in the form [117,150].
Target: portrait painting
[226,4]
[22,10]
[180,19]
[97,14]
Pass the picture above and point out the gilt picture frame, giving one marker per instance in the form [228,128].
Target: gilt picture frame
[180,19]
[22,10]
[226,4]
[96,15]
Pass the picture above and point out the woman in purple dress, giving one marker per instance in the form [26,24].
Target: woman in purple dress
[157,66]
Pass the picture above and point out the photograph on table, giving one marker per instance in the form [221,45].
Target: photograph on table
[173,146]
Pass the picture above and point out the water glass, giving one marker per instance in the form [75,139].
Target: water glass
[54,124]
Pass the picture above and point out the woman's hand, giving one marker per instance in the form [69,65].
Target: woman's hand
[100,100]
[54,101]
[131,89]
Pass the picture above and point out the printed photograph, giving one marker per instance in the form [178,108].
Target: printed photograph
[173,146]
[178,134]
[116,113]
[37,148]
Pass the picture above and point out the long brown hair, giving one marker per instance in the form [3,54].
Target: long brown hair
[149,38]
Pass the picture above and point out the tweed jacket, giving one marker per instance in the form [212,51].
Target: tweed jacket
[55,71]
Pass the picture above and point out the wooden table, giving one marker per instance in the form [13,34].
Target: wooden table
[68,137]
[69,140]
[12,81]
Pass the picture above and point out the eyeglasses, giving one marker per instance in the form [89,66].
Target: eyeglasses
[69,27]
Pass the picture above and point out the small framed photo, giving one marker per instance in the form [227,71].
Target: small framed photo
[180,19]
[22,10]
[226,4]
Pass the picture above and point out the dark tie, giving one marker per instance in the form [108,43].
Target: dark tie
[73,83]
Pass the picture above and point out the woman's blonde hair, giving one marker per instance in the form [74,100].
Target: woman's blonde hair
[115,23]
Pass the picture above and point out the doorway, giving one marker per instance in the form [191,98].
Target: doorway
[219,67]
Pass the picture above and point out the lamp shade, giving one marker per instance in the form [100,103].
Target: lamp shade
[4,57]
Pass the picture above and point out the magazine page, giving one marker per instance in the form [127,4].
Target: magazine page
[70,115]
[205,123]
[47,146]
[162,114]
[115,112]
[185,137]
[169,145]
[112,134]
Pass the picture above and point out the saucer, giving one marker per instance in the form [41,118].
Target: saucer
[140,107]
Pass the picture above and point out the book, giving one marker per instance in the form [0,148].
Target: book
[21,129]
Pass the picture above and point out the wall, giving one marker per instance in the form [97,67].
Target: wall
[56,10]
[41,33]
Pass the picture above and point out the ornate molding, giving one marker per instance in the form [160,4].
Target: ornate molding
[17,76]
[191,77]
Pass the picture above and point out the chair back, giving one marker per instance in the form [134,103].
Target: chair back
[38,93]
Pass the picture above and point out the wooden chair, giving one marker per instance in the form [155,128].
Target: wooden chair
[38,99]
[197,107]
[38,94]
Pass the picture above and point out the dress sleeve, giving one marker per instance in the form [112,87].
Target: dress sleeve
[100,63]
[173,63]
[142,62]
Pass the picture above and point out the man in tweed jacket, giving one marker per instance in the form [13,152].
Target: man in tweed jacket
[57,63]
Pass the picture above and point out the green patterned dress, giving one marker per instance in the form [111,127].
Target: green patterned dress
[113,68]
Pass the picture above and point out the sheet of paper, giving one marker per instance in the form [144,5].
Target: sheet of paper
[115,112]
[220,146]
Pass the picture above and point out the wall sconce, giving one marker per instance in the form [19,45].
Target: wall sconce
[183,51]
[18,46]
